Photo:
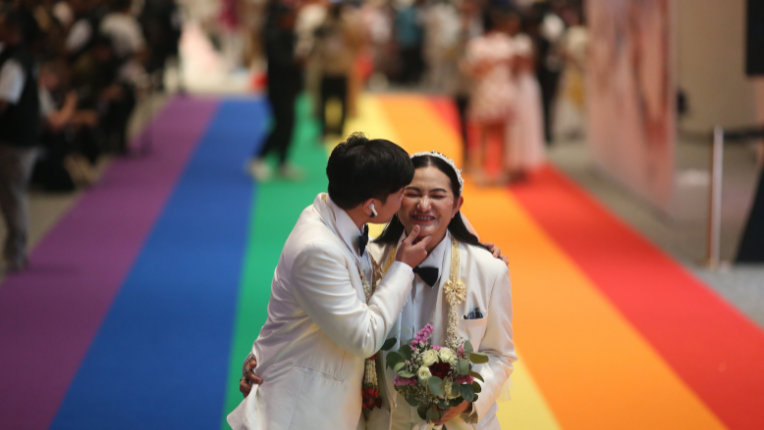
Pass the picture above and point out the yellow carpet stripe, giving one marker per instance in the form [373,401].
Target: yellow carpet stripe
[527,410]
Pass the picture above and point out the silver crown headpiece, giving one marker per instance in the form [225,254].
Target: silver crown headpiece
[447,160]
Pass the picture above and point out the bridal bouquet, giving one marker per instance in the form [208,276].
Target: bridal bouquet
[435,378]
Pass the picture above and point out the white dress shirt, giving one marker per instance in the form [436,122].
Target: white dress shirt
[416,313]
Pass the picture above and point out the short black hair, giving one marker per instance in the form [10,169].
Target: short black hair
[362,168]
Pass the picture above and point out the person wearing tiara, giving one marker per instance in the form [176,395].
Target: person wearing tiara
[430,206]
[432,202]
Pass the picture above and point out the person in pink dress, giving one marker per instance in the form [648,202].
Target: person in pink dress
[489,61]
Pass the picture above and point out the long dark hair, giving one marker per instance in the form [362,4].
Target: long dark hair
[392,232]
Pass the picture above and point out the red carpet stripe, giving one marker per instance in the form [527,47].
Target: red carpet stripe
[716,350]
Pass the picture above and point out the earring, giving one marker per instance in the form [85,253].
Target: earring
[373,211]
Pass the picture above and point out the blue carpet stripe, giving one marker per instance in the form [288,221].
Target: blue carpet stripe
[160,358]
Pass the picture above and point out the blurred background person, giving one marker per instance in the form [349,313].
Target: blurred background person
[489,61]
[526,131]
[409,37]
[285,82]
[337,46]
[124,33]
[470,27]
[441,24]
[19,134]
[547,32]
[377,22]
[162,25]
[570,109]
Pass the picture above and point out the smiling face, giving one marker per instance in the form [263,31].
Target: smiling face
[429,203]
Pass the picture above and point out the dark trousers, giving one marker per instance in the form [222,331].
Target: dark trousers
[280,137]
[117,118]
[333,87]
[15,172]
[412,64]
[462,102]
[752,243]
[549,81]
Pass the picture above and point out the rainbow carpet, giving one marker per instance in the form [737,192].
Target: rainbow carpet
[144,298]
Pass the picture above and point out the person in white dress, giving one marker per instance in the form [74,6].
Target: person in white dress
[489,61]
[526,150]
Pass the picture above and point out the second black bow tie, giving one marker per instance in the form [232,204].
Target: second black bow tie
[363,240]
[428,274]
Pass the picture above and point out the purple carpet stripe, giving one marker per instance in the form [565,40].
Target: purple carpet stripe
[50,314]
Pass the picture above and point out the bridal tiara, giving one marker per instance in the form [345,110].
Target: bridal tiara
[447,160]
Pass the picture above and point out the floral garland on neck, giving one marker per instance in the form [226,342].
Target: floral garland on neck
[455,292]
[370,397]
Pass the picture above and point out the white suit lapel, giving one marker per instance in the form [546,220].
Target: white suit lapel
[327,216]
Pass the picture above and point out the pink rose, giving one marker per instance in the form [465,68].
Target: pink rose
[399,381]
[461,380]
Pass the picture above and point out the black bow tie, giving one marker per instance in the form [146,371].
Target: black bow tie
[363,240]
[428,274]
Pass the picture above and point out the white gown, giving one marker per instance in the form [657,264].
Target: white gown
[526,150]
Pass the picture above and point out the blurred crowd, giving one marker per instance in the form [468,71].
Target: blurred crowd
[70,74]
[504,63]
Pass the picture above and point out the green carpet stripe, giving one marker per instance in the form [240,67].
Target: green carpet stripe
[278,205]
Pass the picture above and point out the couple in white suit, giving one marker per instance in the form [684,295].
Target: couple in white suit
[328,311]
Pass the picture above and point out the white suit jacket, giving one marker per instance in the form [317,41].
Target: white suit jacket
[311,350]
[488,289]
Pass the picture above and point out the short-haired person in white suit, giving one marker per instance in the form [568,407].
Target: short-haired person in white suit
[432,202]
[320,328]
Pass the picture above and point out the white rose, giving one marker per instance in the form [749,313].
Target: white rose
[449,391]
[447,356]
[430,357]
[424,374]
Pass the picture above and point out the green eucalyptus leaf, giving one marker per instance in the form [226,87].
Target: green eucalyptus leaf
[478,358]
[477,375]
[399,366]
[411,401]
[433,413]
[393,359]
[468,347]
[406,352]
[463,367]
[476,387]
[455,402]
[468,394]
[404,374]
[389,344]
[422,412]
[436,386]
